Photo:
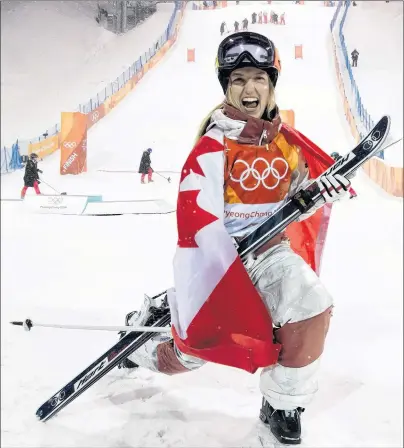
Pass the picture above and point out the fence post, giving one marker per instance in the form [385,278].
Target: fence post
[5,158]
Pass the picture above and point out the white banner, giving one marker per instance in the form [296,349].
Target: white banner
[145,206]
[56,204]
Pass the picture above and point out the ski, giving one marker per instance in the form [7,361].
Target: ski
[96,370]
[306,198]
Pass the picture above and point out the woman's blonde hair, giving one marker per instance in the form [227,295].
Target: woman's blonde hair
[230,101]
[205,122]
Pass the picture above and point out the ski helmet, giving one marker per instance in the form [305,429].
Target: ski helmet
[33,156]
[247,49]
[335,155]
[149,150]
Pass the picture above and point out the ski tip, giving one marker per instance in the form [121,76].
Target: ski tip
[386,119]
[39,415]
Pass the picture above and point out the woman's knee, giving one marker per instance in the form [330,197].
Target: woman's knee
[171,361]
[303,342]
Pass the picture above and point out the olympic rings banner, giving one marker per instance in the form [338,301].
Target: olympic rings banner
[95,116]
[56,204]
[73,143]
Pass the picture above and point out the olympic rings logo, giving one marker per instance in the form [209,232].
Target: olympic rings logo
[52,200]
[58,398]
[368,145]
[95,116]
[376,135]
[70,145]
[261,178]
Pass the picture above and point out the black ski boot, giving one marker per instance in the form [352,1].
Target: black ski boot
[152,309]
[285,425]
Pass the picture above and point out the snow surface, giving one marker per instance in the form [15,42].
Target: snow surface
[93,270]
[375,29]
[55,56]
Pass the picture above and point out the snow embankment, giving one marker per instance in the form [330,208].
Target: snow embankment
[55,56]
[375,29]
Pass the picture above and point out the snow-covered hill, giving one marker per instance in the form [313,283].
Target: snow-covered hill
[55,56]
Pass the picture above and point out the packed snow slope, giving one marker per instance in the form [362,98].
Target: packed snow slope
[375,29]
[93,270]
[55,56]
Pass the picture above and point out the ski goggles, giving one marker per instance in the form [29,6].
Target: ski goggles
[235,52]
[255,53]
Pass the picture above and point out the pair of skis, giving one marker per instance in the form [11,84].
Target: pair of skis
[300,203]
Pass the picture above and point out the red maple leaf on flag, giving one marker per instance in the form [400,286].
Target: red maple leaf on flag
[204,146]
[190,217]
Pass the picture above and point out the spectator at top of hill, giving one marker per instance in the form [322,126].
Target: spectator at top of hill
[354,56]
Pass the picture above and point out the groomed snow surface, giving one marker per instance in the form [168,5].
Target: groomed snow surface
[93,270]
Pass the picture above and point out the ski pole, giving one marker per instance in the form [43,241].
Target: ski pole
[391,144]
[27,324]
[136,172]
[168,179]
[54,189]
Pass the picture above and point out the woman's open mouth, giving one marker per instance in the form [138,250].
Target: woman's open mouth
[250,103]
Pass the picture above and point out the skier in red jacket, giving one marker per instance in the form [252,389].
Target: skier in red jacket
[31,176]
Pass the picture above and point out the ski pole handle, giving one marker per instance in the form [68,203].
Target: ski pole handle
[27,324]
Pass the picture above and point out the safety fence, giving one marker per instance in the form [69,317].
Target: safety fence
[359,120]
[334,17]
[365,122]
[11,159]
[101,104]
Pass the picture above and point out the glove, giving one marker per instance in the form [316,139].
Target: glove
[333,187]
[40,171]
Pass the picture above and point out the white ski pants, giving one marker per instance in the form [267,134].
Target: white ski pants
[296,301]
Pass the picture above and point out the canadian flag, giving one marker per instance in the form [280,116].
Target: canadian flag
[217,314]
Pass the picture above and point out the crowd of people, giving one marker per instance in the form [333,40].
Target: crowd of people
[263,18]
[260,18]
